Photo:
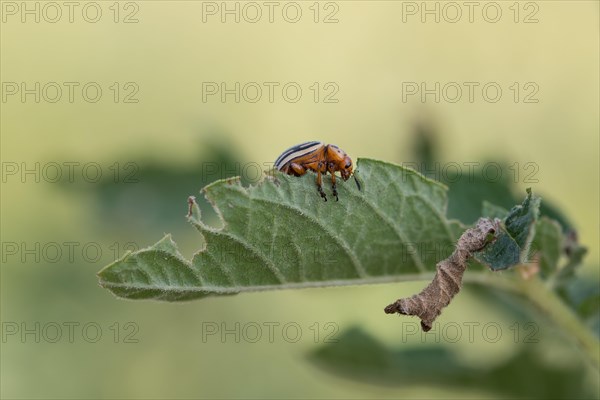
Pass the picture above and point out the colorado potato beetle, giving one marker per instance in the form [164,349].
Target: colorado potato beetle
[317,157]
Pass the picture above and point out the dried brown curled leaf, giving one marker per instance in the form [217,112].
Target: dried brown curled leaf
[447,281]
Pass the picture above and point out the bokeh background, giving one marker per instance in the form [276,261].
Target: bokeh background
[157,127]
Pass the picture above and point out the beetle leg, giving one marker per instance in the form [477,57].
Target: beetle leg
[298,169]
[333,187]
[320,185]
[331,169]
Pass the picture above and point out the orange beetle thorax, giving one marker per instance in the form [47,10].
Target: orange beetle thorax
[337,158]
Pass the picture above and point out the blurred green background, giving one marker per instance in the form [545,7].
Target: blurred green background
[167,138]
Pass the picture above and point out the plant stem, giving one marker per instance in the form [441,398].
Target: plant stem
[551,305]
[548,302]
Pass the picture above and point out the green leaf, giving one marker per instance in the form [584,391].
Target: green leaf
[158,272]
[520,221]
[547,245]
[280,234]
[557,253]
[516,233]
[501,254]
[558,256]
[574,253]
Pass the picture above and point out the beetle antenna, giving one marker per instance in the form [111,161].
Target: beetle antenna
[357,182]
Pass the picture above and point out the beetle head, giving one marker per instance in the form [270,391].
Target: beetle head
[345,167]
